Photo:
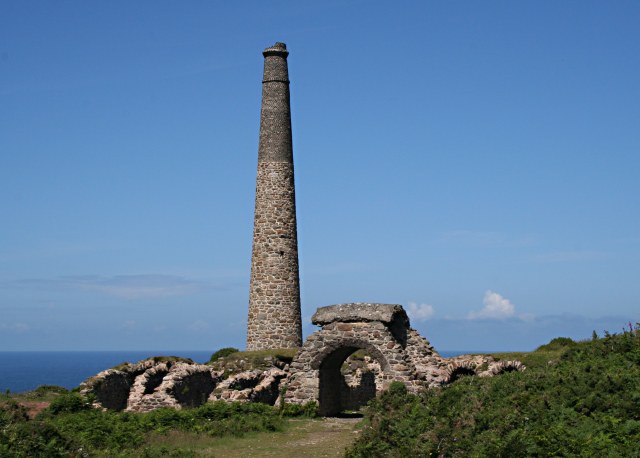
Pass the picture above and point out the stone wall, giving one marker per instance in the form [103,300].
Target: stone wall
[357,389]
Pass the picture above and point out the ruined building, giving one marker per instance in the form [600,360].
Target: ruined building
[274,292]
[359,349]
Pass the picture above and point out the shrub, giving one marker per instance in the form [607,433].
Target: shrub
[34,439]
[68,403]
[12,412]
[559,343]
[222,353]
[308,410]
[585,404]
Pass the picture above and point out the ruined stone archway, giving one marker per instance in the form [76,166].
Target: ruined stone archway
[382,330]
[335,393]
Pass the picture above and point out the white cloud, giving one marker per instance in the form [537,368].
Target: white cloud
[129,324]
[17,328]
[570,256]
[199,326]
[420,312]
[495,307]
[485,239]
[142,286]
[126,286]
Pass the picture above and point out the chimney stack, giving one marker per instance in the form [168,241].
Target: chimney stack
[274,292]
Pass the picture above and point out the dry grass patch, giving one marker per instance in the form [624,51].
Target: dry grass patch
[326,437]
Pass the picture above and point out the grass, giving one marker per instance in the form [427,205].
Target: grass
[156,359]
[248,360]
[300,437]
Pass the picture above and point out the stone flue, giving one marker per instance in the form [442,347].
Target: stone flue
[274,292]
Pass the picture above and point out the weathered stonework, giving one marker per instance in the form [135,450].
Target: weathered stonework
[328,369]
[399,352]
[151,384]
[251,386]
[274,293]
[382,330]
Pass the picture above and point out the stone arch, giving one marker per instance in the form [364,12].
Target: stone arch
[379,329]
[458,372]
[502,367]
[334,394]
[356,344]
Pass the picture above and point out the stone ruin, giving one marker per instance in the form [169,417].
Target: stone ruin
[154,383]
[329,368]
[151,384]
[397,352]
[360,349]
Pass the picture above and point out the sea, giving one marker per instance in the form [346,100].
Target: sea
[26,370]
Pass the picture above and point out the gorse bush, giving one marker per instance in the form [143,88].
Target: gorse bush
[223,353]
[586,402]
[69,403]
[308,410]
[559,343]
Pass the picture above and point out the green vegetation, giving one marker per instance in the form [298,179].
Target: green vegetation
[222,353]
[558,344]
[240,361]
[70,427]
[574,399]
[157,359]
[44,393]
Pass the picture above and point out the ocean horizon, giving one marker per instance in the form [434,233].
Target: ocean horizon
[26,370]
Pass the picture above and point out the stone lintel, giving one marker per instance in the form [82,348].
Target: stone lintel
[358,311]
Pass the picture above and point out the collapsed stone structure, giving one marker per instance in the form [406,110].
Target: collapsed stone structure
[151,384]
[360,349]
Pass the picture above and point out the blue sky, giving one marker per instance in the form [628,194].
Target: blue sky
[476,162]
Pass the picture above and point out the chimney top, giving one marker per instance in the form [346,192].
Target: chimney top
[279,49]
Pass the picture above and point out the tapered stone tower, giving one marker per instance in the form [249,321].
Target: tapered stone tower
[274,293]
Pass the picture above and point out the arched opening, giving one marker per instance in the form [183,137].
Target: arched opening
[347,380]
[458,372]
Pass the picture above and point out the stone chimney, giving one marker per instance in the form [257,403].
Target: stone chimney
[274,292]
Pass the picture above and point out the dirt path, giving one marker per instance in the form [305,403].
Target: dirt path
[34,407]
[323,437]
